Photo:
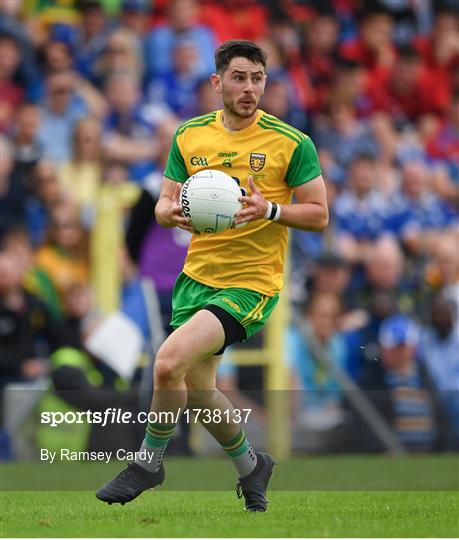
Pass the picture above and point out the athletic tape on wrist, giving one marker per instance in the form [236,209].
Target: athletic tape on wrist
[273,212]
[269,210]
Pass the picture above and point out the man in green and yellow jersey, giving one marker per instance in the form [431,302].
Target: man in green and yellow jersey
[230,281]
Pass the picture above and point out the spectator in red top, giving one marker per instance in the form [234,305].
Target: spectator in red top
[409,91]
[349,82]
[11,94]
[321,38]
[444,145]
[374,48]
[234,19]
[283,48]
[440,51]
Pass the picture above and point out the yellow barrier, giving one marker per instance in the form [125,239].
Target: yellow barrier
[271,356]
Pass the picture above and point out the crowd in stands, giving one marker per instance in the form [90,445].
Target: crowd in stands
[91,93]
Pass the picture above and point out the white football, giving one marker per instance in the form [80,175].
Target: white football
[210,199]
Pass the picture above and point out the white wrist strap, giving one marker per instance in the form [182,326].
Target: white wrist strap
[273,212]
[269,210]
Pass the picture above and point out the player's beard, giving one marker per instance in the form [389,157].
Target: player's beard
[231,107]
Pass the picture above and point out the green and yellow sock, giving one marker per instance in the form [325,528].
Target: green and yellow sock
[156,440]
[240,451]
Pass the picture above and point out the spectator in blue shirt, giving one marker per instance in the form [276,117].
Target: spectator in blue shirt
[331,273]
[123,52]
[13,193]
[46,193]
[410,404]
[439,354]
[416,212]
[90,38]
[130,136]
[359,210]
[345,136]
[63,107]
[399,390]
[160,43]
[321,398]
[134,15]
[27,149]
[364,351]
[178,87]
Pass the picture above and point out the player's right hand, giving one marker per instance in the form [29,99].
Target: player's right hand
[175,213]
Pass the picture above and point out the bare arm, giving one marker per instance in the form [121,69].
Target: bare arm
[130,150]
[310,213]
[168,211]
[94,99]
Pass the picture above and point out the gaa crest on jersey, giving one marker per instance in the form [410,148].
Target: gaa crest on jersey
[257,161]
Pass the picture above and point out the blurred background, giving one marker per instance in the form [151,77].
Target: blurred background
[91,93]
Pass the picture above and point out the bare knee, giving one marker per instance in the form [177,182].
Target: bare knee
[167,370]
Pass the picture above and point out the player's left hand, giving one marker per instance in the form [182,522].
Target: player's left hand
[255,206]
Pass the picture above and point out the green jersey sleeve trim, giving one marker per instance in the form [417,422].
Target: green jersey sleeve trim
[175,166]
[304,164]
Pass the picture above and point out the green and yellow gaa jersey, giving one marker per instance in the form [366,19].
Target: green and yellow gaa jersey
[278,157]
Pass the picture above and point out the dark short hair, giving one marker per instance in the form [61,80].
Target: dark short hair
[373,9]
[443,9]
[9,36]
[347,64]
[408,53]
[364,155]
[330,259]
[238,48]
[318,295]
[87,6]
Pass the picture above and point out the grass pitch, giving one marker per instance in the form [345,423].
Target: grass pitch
[432,511]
